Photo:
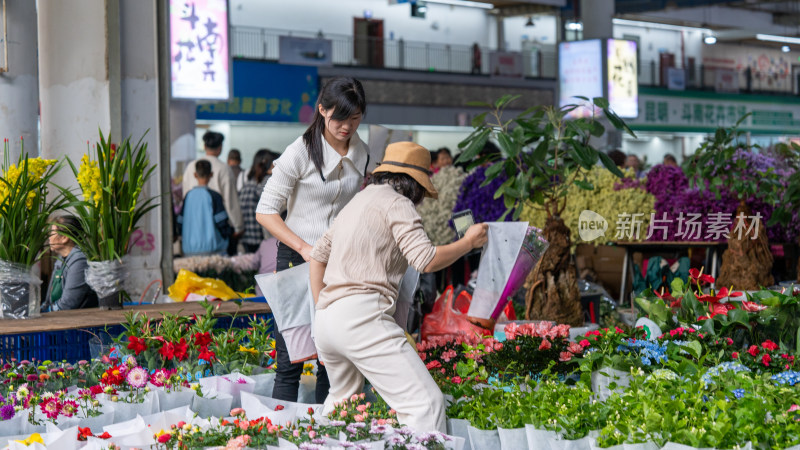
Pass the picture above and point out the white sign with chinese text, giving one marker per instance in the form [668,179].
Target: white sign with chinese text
[199,49]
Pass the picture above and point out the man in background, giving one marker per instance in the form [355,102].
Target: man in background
[222,182]
[203,222]
[235,163]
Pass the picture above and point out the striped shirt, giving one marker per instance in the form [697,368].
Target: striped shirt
[311,203]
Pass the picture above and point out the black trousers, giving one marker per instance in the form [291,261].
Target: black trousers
[287,375]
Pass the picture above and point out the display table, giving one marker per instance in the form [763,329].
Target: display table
[713,251]
[65,334]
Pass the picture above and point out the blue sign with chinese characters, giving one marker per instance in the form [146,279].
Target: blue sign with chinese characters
[266,92]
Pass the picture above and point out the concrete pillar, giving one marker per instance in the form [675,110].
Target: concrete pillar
[79,77]
[501,33]
[597,16]
[139,91]
[183,145]
[19,87]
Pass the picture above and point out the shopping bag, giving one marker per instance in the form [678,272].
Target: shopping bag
[188,283]
[444,320]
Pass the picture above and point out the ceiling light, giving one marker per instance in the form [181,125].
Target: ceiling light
[710,39]
[529,23]
[574,26]
[783,39]
[465,3]
[785,49]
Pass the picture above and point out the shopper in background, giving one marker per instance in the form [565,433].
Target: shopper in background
[68,288]
[222,182]
[618,157]
[249,196]
[355,273]
[443,159]
[670,160]
[203,222]
[313,179]
[235,163]
[633,162]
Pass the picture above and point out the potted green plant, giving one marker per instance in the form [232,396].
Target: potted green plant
[542,152]
[786,211]
[110,212]
[747,264]
[25,208]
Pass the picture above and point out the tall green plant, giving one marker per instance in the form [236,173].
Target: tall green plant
[541,152]
[714,169]
[111,207]
[26,206]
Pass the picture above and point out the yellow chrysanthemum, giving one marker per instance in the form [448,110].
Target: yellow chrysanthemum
[604,200]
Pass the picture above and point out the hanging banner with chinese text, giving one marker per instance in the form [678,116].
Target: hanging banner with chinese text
[266,92]
[663,110]
[199,56]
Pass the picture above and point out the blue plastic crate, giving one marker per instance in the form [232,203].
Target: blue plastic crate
[73,345]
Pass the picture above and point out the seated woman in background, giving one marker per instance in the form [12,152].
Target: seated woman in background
[68,288]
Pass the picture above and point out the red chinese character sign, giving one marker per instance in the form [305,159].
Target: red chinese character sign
[199,49]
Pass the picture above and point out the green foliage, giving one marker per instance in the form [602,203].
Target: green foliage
[541,152]
[26,205]
[713,168]
[112,208]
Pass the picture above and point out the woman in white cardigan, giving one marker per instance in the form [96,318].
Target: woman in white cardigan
[312,180]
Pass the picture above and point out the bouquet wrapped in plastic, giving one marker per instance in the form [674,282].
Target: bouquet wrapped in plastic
[513,250]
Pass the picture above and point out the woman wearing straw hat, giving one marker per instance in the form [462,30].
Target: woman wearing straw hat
[356,268]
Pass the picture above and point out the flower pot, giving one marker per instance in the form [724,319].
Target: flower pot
[19,299]
[512,438]
[458,428]
[483,439]
[602,379]
[539,439]
[112,301]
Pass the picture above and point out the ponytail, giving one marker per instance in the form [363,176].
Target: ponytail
[346,96]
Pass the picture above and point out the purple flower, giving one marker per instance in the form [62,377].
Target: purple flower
[6,412]
[480,200]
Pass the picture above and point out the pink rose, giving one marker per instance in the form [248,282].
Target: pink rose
[361,408]
[564,356]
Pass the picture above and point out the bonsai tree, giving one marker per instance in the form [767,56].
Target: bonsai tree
[747,264]
[542,152]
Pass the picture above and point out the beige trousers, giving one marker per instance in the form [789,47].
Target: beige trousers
[357,337]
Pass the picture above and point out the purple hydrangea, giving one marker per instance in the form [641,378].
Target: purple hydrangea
[6,412]
[480,200]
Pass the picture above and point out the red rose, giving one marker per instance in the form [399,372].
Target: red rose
[735,355]
[753,350]
[584,343]
[765,359]
[164,438]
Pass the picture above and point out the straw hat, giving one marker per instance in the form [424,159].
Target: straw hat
[411,159]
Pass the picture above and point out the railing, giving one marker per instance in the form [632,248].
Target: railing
[705,78]
[262,43]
